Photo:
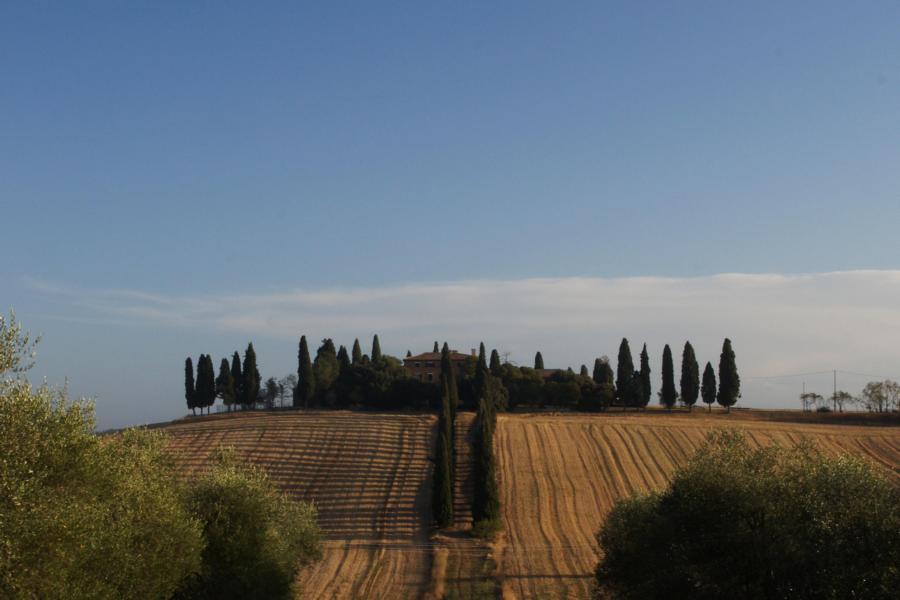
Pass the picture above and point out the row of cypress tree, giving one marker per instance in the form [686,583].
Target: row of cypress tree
[445,455]
[491,395]
[235,384]
[691,386]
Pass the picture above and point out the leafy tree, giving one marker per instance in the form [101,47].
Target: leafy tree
[881,396]
[810,400]
[326,369]
[773,522]
[82,515]
[668,395]
[190,391]
[306,377]
[356,353]
[538,361]
[840,399]
[495,363]
[645,377]
[690,377]
[256,537]
[271,391]
[624,373]
[376,350]
[729,380]
[251,377]
[225,384]
[708,389]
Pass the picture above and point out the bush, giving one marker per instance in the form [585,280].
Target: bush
[766,523]
[256,537]
[83,516]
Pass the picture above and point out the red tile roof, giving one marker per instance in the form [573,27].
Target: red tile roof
[436,356]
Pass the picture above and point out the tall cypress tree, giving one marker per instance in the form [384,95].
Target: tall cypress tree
[408,353]
[209,383]
[343,359]
[668,395]
[448,367]
[327,369]
[645,377]
[225,384]
[729,380]
[486,496]
[376,350]
[495,363]
[584,372]
[624,373]
[356,353]
[190,390]
[251,377]
[690,376]
[442,497]
[200,391]
[238,375]
[306,379]
[538,361]
[708,389]
[482,360]
[598,371]
[436,348]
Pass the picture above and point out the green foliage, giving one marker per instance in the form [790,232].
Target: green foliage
[495,363]
[538,361]
[486,494]
[306,378]
[729,381]
[16,346]
[708,389]
[326,369]
[83,516]
[205,391]
[584,371]
[624,374]
[256,537]
[442,494]
[690,376]
[190,391]
[343,359]
[356,354]
[238,375]
[645,377]
[251,381]
[225,384]
[765,523]
[376,349]
[668,395]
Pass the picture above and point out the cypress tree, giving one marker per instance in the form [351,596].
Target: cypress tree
[209,383]
[238,375]
[668,395]
[442,497]
[306,379]
[376,350]
[599,371]
[251,377]
[486,496]
[708,389]
[538,361]
[495,363]
[343,359]
[189,388]
[624,372]
[326,369]
[408,353]
[356,353]
[690,377]
[482,361]
[225,384]
[448,371]
[636,389]
[584,371]
[729,380]
[645,377]
[200,391]
[436,349]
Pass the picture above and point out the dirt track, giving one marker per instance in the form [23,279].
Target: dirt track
[369,476]
[561,474]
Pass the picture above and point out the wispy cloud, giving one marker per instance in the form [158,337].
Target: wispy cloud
[779,323]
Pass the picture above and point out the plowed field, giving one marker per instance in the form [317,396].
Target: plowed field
[561,474]
[369,476]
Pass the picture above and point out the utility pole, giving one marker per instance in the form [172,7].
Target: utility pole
[803,397]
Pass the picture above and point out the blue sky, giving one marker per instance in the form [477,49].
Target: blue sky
[223,150]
